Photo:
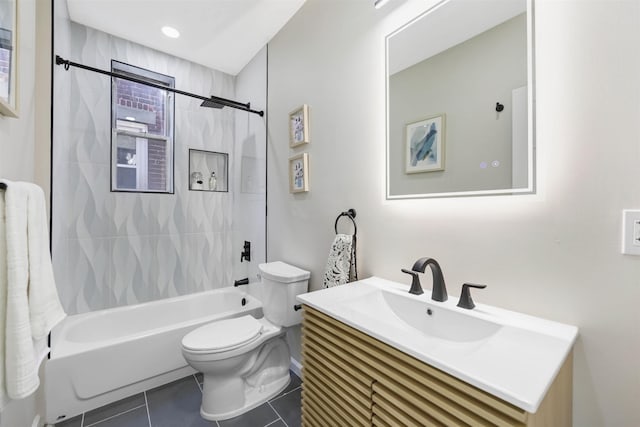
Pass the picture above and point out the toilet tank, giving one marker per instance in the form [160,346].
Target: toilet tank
[281,284]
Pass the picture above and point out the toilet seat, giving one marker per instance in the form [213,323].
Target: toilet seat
[223,335]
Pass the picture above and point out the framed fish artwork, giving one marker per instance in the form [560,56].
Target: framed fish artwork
[425,145]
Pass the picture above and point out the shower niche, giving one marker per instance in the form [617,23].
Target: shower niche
[208,171]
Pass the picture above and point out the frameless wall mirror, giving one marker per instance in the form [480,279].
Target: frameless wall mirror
[8,60]
[460,101]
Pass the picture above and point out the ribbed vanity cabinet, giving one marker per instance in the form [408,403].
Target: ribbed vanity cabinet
[352,379]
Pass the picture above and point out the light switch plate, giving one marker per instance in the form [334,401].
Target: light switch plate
[631,232]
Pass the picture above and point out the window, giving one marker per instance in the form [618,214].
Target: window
[142,131]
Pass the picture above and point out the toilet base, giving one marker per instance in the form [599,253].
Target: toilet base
[254,397]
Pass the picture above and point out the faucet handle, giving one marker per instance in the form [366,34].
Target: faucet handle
[246,252]
[416,288]
[465,297]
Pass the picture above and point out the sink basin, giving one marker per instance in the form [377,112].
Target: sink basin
[510,355]
[432,320]
[438,321]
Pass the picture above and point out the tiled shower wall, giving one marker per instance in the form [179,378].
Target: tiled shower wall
[112,249]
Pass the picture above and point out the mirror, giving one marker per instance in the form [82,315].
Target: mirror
[8,31]
[460,96]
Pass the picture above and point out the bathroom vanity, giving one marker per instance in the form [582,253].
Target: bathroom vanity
[365,365]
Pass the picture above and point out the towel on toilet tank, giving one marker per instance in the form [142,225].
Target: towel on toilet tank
[338,268]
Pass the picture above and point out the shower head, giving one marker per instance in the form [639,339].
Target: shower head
[210,103]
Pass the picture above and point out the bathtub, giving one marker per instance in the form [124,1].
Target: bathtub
[106,355]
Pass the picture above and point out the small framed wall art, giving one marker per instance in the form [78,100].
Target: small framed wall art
[299,173]
[425,145]
[299,126]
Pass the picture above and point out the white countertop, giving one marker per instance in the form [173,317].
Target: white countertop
[517,363]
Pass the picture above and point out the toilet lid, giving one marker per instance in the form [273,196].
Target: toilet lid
[223,335]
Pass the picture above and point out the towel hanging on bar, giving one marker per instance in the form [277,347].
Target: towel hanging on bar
[29,302]
[341,265]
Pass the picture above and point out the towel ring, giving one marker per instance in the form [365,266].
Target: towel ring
[351,214]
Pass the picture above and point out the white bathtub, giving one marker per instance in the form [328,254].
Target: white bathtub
[103,356]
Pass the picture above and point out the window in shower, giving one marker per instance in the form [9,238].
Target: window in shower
[142,131]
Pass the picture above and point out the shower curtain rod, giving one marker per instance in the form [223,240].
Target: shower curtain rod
[223,102]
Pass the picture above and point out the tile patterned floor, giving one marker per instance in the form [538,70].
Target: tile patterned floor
[177,404]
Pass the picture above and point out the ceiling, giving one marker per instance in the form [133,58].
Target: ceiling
[220,34]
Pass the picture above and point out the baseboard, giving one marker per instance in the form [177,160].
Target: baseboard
[296,367]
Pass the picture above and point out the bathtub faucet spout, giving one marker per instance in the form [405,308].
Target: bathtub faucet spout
[240,282]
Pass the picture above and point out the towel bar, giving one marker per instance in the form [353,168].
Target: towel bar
[351,214]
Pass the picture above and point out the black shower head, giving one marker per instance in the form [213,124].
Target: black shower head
[209,103]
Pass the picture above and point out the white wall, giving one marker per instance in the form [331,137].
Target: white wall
[24,141]
[23,412]
[555,254]
[17,135]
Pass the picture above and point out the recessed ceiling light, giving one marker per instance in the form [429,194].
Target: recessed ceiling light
[170,32]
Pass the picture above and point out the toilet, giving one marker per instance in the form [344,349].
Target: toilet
[244,360]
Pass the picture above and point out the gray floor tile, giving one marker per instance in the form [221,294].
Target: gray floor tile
[71,422]
[177,404]
[260,416]
[112,409]
[134,418]
[294,384]
[288,407]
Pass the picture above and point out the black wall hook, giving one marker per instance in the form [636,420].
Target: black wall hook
[499,107]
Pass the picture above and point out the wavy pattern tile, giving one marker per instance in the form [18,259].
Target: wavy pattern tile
[113,249]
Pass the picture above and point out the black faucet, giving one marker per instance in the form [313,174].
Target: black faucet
[246,252]
[465,297]
[416,289]
[439,290]
[240,282]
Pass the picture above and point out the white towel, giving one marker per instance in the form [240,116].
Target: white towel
[45,309]
[338,268]
[28,297]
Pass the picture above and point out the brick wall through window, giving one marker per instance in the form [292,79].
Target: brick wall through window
[157,167]
[145,98]
[149,99]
